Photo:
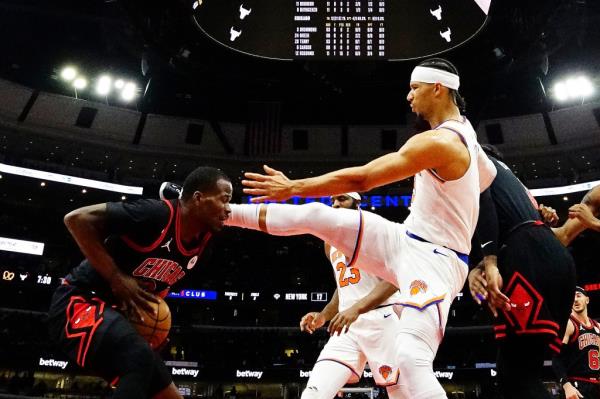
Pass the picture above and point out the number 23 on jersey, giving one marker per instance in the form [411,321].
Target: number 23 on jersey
[353,278]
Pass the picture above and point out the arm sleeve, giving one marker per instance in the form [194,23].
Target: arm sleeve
[559,367]
[135,218]
[487,233]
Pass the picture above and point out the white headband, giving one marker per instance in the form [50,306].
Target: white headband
[353,195]
[432,75]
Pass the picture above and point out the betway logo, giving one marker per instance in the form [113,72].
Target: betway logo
[249,374]
[184,371]
[444,374]
[53,363]
[306,374]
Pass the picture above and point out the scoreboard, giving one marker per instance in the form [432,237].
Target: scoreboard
[340,29]
[351,29]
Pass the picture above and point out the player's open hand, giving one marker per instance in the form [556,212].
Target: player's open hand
[478,285]
[312,321]
[133,298]
[496,299]
[571,392]
[341,322]
[272,186]
[584,214]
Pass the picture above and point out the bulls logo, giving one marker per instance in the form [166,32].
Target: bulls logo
[521,306]
[418,286]
[385,371]
[83,318]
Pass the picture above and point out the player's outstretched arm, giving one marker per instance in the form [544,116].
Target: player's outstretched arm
[439,150]
[342,321]
[583,213]
[568,231]
[581,216]
[87,225]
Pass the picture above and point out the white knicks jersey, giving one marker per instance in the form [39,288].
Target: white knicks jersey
[353,284]
[446,212]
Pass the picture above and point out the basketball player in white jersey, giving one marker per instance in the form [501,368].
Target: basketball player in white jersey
[426,257]
[365,302]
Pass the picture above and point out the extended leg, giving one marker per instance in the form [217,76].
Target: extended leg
[367,239]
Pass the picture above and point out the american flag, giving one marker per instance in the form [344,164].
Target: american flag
[263,131]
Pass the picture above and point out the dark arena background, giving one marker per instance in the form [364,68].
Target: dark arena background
[103,100]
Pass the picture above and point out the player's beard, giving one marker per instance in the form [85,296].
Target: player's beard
[421,125]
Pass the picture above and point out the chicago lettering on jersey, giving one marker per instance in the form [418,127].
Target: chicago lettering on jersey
[588,339]
[164,270]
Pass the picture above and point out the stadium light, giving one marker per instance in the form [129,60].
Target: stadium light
[68,73]
[103,85]
[574,88]
[129,91]
[80,83]
[561,93]
[66,179]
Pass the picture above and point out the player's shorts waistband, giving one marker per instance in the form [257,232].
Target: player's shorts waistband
[387,305]
[461,256]
[591,380]
[527,223]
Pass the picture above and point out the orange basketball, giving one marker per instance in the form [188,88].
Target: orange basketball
[155,327]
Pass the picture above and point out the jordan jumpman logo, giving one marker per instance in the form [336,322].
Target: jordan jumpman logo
[167,245]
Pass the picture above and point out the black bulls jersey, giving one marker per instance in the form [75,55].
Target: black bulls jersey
[144,243]
[581,353]
[514,203]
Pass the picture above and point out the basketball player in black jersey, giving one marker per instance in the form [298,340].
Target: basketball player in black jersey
[528,275]
[133,250]
[578,366]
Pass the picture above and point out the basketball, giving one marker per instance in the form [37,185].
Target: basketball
[155,327]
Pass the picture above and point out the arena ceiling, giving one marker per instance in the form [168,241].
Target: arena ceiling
[507,69]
